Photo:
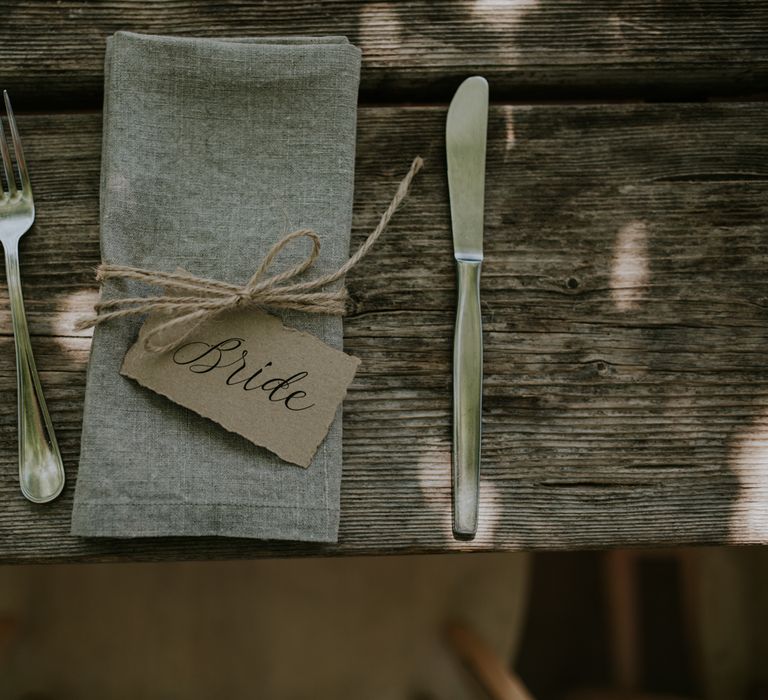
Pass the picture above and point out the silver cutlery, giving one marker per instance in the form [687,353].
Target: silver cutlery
[41,473]
[465,139]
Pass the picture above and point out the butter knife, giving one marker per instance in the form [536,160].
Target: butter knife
[465,139]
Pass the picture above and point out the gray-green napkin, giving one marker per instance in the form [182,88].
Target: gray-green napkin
[213,149]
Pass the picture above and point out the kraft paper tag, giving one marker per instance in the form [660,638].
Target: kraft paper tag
[276,386]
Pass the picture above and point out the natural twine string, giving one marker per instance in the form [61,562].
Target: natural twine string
[189,310]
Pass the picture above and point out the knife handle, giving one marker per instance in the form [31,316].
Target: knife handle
[467,400]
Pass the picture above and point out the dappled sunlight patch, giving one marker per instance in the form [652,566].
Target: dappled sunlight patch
[434,477]
[72,347]
[509,130]
[749,462]
[385,27]
[630,269]
[489,515]
[380,27]
[72,307]
[508,7]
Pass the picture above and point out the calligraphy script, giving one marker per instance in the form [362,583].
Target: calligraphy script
[201,357]
[278,387]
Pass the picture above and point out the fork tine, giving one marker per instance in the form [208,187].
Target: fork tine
[7,167]
[26,188]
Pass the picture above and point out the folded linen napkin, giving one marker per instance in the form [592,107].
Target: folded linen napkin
[213,149]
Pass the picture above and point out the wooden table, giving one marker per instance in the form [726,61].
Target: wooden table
[625,289]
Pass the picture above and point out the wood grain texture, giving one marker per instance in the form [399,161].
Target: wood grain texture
[52,52]
[624,299]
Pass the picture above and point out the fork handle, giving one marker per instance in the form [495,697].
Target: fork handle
[41,472]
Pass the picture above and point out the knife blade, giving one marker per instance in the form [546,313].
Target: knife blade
[465,141]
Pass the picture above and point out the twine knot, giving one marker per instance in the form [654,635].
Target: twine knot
[190,300]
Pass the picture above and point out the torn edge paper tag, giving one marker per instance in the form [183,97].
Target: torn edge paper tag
[276,386]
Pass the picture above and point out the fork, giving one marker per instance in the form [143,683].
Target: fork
[41,473]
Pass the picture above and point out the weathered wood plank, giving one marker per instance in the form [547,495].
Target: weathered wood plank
[626,389]
[52,53]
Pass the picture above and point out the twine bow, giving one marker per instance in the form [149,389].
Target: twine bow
[194,299]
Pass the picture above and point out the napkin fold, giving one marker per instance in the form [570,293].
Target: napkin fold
[212,150]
